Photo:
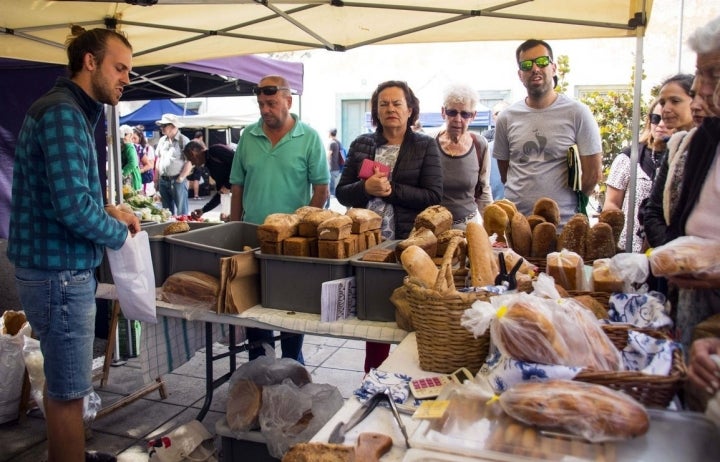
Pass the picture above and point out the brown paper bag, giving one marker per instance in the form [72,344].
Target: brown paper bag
[242,287]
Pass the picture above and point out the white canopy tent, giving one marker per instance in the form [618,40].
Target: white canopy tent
[169,31]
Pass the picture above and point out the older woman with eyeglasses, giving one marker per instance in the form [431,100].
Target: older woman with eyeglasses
[465,158]
[651,149]
[414,183]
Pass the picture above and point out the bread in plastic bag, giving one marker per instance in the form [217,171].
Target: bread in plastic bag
[566,268]
[686,255]
[595,412]
[191,289]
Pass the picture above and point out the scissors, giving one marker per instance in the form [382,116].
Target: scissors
[338,433]
[507,279]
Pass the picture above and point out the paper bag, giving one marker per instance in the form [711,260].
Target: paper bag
[134,279]
[239,284]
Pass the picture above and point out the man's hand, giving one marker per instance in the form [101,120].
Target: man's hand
[127,217]
[688,281]
[704,365]
[196,214]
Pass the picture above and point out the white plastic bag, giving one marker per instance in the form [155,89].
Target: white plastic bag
[13,371]
[188,442]
[132,271]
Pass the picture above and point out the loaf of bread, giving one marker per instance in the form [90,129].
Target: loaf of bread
[351,245]
[600,242]
[335,228]
[305,209]
[379,256]
[526,332]
[686,255]
[418,264]
[604,279]
[521,235]
[320,452]
[13,321]
[310,221]
[544,240]
[331,249]
[534,220]
[591,304]
[496,221]
[363,219]
[567,269]
[297,246]
[574,235]
[616,220]
[548,209]
[191,288]
[243,405]
[508,206]
[176,227]
[421,237]
[278,226]
[436,218]
[595,412]
[483,262]
[271,248]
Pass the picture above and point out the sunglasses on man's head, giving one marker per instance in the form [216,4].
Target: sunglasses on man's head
[541,61]
[455,112]
[268,90]
[655,119]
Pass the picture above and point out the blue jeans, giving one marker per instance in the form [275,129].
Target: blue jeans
[291,344]
[174,195]
[334,179]
[60,306]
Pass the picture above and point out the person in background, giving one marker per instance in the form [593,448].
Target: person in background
[465,158]
[59,228]
[146,157]
[173,168]
[651,149]
[197,171]
[335,162]
[415,181]
[496,184]
[675,99]
[418,127]
[218,160]
[280,165]
[694,211]
[533,135]
[129,159]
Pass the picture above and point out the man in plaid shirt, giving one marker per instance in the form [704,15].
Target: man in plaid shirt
[59,227]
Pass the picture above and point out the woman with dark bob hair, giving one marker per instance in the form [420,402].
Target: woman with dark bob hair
[415,179]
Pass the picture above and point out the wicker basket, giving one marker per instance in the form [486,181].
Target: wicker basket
[601,297]
[443,344]
[650,390]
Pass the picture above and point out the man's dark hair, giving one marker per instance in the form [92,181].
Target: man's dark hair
[93,41]
[333,132]
[532,43]
[412,102]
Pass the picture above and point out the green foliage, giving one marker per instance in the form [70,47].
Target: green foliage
[563,68]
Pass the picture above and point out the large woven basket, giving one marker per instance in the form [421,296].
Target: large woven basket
[650,390]
[443,344]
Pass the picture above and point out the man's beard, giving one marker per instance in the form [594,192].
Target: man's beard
[101,90]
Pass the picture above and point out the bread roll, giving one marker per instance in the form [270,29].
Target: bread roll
[616,220]
[176,228]
[483,264]
[496,221]
[436,218]
[544,240]
[600,242]
[278,226]
[363,219]
[507,206]
[418,264]
[594,412]
[521,234]
[421,237]
[335,228]
[574,235]
[548,209]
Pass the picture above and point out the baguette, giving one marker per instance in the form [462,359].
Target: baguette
[483,267]
[418,264]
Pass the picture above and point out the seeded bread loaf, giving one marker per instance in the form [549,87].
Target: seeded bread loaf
[335,228]
[436,218]
[278,226]
[363,219]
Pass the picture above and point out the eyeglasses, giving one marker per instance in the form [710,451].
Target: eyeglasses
[655,119]
[268,90]
[455,112]
[541,61]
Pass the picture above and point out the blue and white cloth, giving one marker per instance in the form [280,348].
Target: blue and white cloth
[639,310]
[376,380]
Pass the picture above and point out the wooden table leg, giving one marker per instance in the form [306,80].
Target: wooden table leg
[110,347]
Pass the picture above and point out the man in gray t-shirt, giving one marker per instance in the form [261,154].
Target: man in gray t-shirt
[532,137]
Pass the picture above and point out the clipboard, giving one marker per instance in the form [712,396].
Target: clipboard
[574,168]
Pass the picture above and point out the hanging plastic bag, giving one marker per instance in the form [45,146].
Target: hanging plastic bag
[132,271]
[188,442]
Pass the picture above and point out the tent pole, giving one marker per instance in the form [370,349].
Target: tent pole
[114,167]
[637,106]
